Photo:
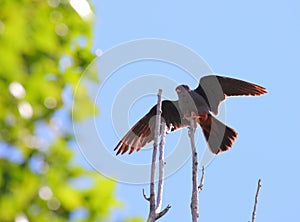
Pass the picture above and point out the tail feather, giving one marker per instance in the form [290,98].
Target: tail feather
[219,137]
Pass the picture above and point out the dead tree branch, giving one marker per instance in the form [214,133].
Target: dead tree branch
[154,212]
[256,200]
[200,187]
[161,167]
[194,200]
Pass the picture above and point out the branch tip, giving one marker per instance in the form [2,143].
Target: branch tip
[256,200]
[144,194]
[163,212]
[200,187]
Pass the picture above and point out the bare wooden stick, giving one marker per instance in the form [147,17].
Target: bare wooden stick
[194,200]
[155,207]
[200,187]
[152,211]
[256,200]
[163,212]
[144,194]
[161,167]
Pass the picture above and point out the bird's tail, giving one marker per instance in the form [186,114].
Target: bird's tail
[219,137]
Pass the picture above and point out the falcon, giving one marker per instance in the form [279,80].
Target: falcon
[201,104]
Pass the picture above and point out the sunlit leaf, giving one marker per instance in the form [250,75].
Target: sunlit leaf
[44,47]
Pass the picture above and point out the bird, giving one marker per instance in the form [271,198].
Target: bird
[202,105]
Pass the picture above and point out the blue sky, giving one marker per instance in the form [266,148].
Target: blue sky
[257,41]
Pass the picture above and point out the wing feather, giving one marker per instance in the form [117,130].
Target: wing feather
[142,132]
[214,89]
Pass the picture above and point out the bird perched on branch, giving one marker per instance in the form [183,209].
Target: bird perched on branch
[199,104]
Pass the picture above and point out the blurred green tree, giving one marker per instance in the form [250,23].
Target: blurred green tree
[44,47]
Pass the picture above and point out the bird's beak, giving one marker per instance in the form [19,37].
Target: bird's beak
[178,90]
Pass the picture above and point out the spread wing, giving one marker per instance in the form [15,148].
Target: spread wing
[142,132]
[214,89]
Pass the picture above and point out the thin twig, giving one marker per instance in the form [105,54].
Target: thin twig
[161,167]
[194,200]
[152,211]
[163,212]
[144,194]
[256,200]
[200,187]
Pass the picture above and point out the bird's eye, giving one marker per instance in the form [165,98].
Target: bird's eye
[178,90]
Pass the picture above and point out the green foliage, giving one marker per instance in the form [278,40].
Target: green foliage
[44,47]
[134,220]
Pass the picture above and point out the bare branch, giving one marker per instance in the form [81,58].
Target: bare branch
[163,212]
[144,194]
[152,212]
[256,200]
[194,200]
[200,187]
[155,207]
[161,167]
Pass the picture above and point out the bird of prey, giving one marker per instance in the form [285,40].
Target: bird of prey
[202,102]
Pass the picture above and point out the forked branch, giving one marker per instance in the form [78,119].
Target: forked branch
[155,207]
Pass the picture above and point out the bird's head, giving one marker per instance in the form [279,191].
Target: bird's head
[182,89]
